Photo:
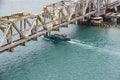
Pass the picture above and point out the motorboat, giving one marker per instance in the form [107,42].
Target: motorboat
[58,37]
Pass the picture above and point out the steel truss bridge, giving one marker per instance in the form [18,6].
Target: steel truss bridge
[17,29]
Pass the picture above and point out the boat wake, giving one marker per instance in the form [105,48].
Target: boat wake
[45,38]
[83,44]
[88,46]
[79,43]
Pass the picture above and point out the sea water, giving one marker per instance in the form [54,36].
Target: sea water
[92,54]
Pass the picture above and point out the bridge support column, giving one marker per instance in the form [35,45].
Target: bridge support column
[115,8]
[34,31]
[48,33]
[76,22]
[11,49]
[23,44]
[35,39]
[79,21]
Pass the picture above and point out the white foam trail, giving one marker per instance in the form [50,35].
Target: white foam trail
[79,43]
[45,38]
[42,37]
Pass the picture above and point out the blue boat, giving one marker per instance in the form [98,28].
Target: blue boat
[58,37]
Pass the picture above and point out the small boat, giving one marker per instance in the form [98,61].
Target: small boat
[58,37]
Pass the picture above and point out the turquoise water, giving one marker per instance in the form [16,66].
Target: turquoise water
[93,54]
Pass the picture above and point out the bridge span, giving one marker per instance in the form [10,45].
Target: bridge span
[17,29]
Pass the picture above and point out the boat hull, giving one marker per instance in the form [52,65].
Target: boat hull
[57,39]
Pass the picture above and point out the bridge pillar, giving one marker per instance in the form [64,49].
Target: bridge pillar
[11,49]
[116,9]
[48,33]
[34,31]
[23,44]
[35,39]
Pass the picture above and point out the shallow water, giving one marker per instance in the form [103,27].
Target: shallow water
[93,53]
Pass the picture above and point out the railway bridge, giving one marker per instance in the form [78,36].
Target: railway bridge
[17,29]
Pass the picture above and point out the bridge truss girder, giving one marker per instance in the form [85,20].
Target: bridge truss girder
[52,17]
